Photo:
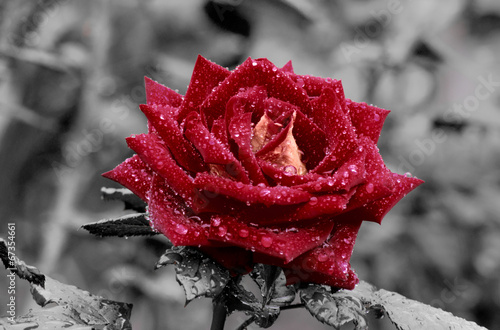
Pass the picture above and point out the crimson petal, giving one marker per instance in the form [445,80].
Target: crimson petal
[367,119]
[168,129]
[168,216]
[251,73]
[350,174]
[328,264]
[338,128]
[152,152]
[283,243]
[158,94]
[206,75]
[212,150]
[133,174]
[251,194]
[314,86]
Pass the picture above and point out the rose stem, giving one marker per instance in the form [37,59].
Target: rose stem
[219,315]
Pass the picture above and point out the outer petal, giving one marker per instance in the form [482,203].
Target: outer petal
[328,115]
[152,152]
[206,75]
[133,174]
[168,129]
[376,210]
[237,260]
[329,263]
[279,242]
[367,119]
[168,216]
[251,194]
[158,94]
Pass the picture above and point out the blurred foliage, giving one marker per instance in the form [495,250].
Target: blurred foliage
[71,81]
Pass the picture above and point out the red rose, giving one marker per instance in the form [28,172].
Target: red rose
[261,165]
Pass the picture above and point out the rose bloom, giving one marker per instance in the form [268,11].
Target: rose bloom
[262,165]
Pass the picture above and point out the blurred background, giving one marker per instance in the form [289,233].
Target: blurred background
[72,78]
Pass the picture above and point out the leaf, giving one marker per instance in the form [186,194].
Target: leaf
[272,283]
[335,309]
[408,314]
[132,201]
[68,307]
[128,225]
[198,274]
[11,262]
[345,306]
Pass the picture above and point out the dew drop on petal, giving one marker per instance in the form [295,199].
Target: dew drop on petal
[322,257]
[215,222]
[264,192]
[376,117]
[222,231]
[313,201]
[243,233]
[290,170]
[369,188]
[181,229]
[353,168]
[266,241]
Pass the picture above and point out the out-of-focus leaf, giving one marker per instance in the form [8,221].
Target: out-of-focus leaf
[12,262]
[128,225]
[132,201]
[335,309]
[198,275]
[346,306]
[73,309]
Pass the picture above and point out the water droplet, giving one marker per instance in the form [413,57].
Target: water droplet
[353,168]
[254,63]
[290,170]
[369,188]
[243,232]
[181,229]
[345,174]
[222,231]
[322,257]
[215,222]
[408,174]
[266,241]
[313,201]
[264,192]
[376,117]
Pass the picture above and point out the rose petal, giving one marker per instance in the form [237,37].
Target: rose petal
[367,119]
[311,139]
[251,73]
[241,132]
[168,216]
[314,86]
[376,210]
[328,264]
[251,100]
[219,130]
[133,174]
[152,152]
[206,75]
[281,177]
[288,67]
[212,150]
[379,180]
[168,129]
[158,94]
[280,242]
[251,194]
[329,117]
[350,174]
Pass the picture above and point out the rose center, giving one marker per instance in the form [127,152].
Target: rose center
[286,155]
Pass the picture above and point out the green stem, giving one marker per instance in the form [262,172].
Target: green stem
[219,315]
